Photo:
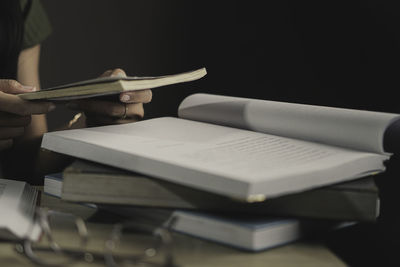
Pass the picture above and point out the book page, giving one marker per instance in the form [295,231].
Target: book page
[17,205]
[214,157]
[350,128]
[2,187]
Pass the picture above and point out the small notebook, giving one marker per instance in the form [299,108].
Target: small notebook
[111,85]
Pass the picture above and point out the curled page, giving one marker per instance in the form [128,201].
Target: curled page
[349,128]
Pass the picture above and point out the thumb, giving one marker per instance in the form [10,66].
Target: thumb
[118,73]
[14,87]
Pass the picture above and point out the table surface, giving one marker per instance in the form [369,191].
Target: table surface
[188,251]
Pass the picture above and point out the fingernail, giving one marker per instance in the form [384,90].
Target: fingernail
[51,107]
[29,88]
[125,98]
[118,74]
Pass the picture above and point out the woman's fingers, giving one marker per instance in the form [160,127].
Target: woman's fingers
[109,108]
[15,113]
[114,72]
[14,104]
[101,111]
[142,96]
[11,132]
[11,103]
[98,120]
[107,73]
[11,120]
[134,110]
[14,87]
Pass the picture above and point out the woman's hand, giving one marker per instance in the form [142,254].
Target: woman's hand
[15,113]
[128,107]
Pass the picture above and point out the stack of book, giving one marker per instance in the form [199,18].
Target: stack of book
[213,216]
[245,172]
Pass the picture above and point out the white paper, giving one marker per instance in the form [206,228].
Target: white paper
[356,129]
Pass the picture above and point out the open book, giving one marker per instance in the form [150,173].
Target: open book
[17,205]
[243,148]
[111,85]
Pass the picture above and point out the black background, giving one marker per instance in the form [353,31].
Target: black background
[336,53]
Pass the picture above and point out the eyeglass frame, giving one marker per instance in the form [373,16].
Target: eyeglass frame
[163,232]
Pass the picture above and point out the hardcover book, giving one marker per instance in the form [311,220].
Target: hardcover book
[85,181]
[250,233]
[241,148]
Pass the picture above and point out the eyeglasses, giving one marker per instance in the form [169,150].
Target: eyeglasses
[65,239]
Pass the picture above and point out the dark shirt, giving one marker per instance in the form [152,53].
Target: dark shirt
[37,25]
